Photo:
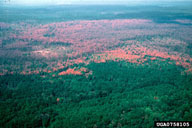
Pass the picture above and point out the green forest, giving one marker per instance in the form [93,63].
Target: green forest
[117,94]
[95,66]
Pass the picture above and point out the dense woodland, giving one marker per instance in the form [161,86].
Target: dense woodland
[123,67]
[116,95]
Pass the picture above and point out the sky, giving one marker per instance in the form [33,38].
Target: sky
[59,2]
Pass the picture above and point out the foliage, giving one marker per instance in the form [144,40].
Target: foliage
[117,94]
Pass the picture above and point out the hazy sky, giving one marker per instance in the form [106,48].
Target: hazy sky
[57,2]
